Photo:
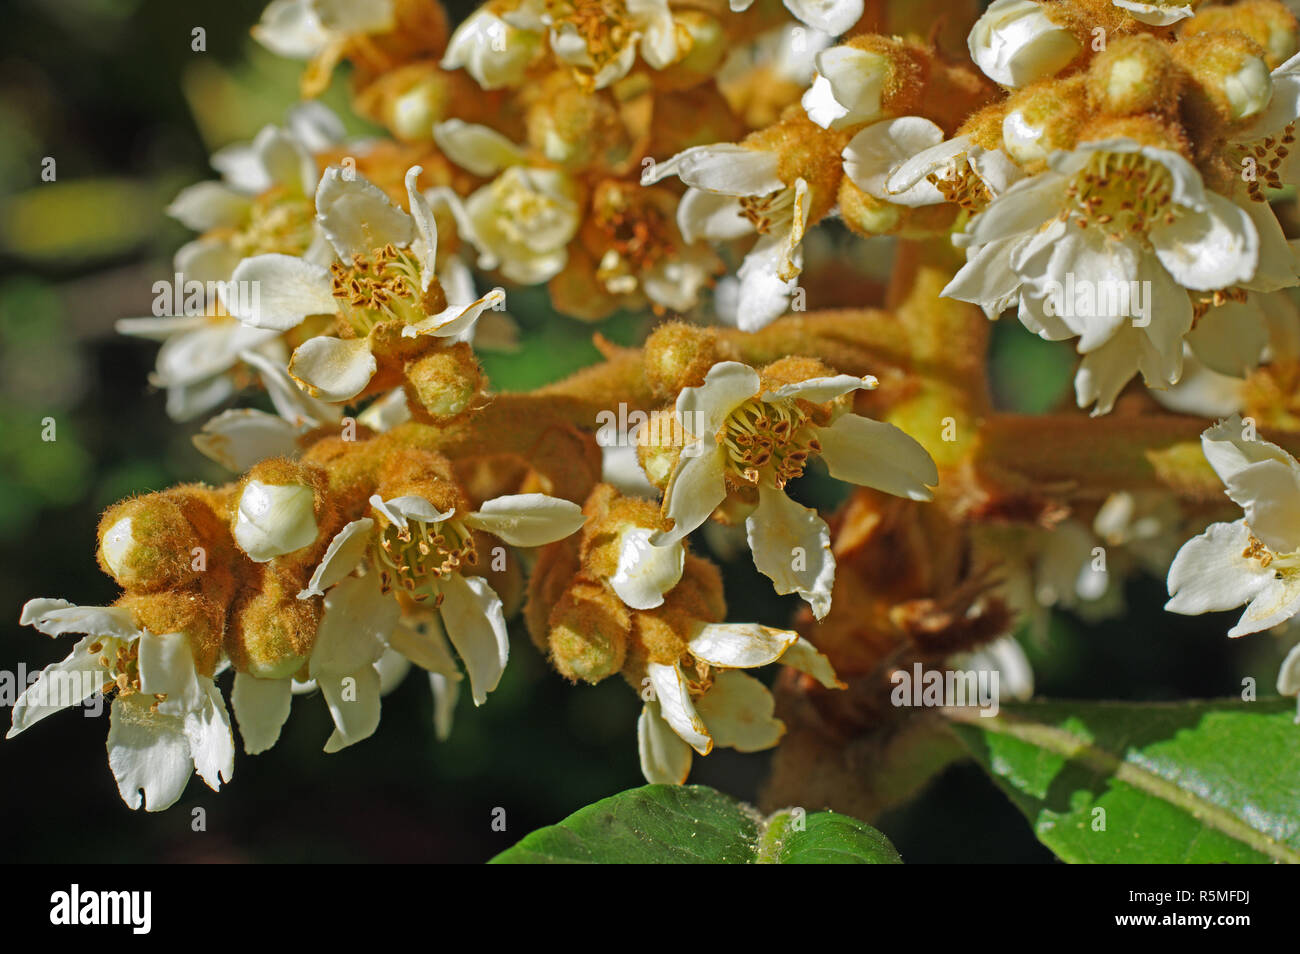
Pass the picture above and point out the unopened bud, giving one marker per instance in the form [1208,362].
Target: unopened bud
[446,382]
[145,543]
[276,513]
[1133,75]
[678,355]
[589,631]
[1015,43]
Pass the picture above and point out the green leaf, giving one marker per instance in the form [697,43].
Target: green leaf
[693,824]
[1194,782]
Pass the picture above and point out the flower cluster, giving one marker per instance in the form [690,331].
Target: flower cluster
[1109,170]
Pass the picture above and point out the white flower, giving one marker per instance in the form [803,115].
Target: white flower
[263,202]
[832,17]
[1156,12]
[523,220]
[274,519]
[908,162]
[715,703]
[740,433]
[412,547]
[388,261]
[786,53]
[1015,43]
[734,192]
[166,720]
[1254,561]
[492,51]
[305,29]
[604,47]
[1104,216]
[848,87]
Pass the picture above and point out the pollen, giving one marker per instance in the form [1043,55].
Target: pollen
[1125,194]
[377,288]
[768,211]
[962,187]
[1261,162]
[605,27]
[278,223]
[767,438]
[410,558]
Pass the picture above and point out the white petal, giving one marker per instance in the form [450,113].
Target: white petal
[291,28]
[1213,249]
[738,710]
[728,384]
[208,205]
[353,700]
[357,216]
[711,216]
[148,754]
[739,645]
[1288,674]
[239,438]
[425,644]
[358,618]
[528,520]
[290,401]
[891,160]
[803,656]
[875,454]
[261,709]
[343,555]
[722,167]
[665,758]
[456,319]
[211,743]
[167,668]
[333,369]
[1210,574]
[829,16]
[852,82]
[695,489]
[206,260]
[56,617]
[792,547]
[288,290]
[821,390]
[426,228]
[675,706]
[472,615]
[1269,493]
[61,685]
[446,692]
[399,510]
[646,572]
[478,149]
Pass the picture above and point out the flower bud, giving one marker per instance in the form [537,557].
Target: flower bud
[1015,43]
[678,355]
[446,382]
[276,513]
[1230,80]
[589,633]
[1268,22]
[271,632]
[492,51]
[1134,74]
[1043,118]
[145,543]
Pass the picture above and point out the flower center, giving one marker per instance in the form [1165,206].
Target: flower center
[414,556]
[1124,193]
[768,211]
[380,287]
[604,26]
[637,238]
[767,437]
[962,186]
[277,223]
[528,216]
[121,659]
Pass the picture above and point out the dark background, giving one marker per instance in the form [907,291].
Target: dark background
[113,92]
